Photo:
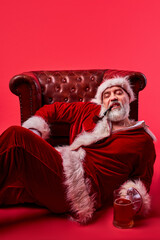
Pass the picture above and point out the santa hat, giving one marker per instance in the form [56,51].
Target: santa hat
[121,81]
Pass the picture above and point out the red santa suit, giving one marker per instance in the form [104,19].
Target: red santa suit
[81,177]
[97,162]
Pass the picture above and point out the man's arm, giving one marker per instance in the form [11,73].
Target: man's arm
[56,112]
[139,185]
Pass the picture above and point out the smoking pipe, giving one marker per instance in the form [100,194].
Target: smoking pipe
[97,118]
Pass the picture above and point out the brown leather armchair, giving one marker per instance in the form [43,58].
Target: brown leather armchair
[37,88]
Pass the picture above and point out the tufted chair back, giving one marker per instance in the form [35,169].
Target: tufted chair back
[37,88]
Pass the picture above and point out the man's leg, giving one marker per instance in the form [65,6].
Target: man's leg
[30,171]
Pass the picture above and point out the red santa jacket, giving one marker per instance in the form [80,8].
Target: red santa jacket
[97,161]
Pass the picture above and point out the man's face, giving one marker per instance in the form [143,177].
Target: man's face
[118,99]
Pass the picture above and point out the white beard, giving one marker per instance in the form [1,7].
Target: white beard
[119,114]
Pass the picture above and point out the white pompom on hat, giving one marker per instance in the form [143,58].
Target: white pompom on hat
[122,82]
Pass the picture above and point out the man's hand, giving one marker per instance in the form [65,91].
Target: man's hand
[35,131]
[136,198]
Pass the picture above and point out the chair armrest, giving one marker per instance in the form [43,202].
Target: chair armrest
[27,87]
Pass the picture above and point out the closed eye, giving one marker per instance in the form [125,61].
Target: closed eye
[106,95]
[119,92]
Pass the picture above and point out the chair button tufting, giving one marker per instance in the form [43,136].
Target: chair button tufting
[57,89]
[66,99]
[49,79]
[73,89]
[87,89]
[64,80]
[92,78]
[79,79]
[80,99]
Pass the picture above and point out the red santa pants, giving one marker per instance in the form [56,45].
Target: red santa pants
[30,171]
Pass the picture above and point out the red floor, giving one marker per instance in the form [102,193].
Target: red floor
[38,224]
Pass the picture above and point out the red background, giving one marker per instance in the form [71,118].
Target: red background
[81,34]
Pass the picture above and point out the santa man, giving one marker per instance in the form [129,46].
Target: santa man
[107,150]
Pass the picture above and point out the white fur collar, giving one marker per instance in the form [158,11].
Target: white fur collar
[139,124]
[101,130]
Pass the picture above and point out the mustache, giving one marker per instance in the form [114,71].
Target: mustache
[114,103]
[111,105]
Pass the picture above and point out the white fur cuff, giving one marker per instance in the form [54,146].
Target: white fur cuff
[38,123]
[139,186]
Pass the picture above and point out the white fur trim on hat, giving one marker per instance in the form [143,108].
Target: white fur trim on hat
[117,81]
[39,124]
[139,186]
